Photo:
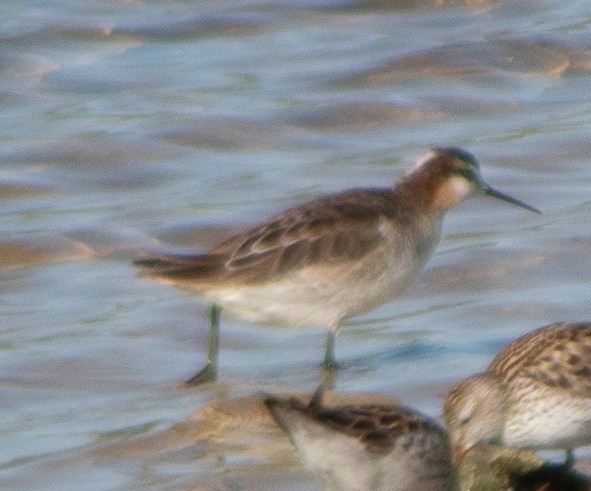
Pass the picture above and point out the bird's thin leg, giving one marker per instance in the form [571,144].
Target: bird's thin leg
[329,358]
[209,371]
[315,403]
[570,458]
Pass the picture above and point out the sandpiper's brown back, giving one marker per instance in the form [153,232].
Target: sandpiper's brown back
[558,355]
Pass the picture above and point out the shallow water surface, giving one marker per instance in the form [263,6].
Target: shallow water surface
[130,126]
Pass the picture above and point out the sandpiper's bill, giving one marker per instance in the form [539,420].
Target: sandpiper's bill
[362,447]
[536,394]
[331,258]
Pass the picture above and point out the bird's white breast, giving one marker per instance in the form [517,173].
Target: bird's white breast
[547,418]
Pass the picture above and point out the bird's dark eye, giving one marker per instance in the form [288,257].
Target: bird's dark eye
[467,173]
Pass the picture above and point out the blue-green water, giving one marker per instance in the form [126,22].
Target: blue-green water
[143,124]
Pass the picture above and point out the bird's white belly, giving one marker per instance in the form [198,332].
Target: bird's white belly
[320,295]
[549,419]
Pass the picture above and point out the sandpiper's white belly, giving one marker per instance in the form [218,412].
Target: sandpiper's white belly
[416,462]
[546,417]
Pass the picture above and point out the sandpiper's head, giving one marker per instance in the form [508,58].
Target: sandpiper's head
[454,175]
[473,413]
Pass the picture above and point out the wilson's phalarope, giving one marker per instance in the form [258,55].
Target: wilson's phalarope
[536,393]
[331,258]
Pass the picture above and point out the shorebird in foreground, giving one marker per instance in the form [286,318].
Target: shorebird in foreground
[536,393]
[331,258]
[368,447]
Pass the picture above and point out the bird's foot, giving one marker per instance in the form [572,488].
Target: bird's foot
[207,374]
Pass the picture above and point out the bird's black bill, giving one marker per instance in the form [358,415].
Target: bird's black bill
[504,197]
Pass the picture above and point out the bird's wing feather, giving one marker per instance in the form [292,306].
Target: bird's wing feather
[337,228]
[374,426]
[179,266]
[558,355]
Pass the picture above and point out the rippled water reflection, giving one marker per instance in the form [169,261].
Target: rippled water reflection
[133,125]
